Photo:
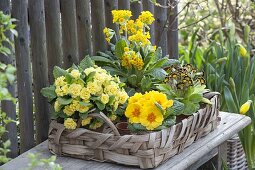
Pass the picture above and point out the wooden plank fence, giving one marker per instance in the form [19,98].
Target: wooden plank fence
[62,32]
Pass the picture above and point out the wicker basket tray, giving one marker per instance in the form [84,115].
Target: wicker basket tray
[236,159]
[146,151]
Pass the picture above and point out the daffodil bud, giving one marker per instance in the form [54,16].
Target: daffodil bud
[242,51]
[245,107]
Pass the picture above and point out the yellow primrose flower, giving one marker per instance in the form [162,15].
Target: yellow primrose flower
[104,98]
[89,70]
[245,107]
[133,112]
[151,117]
[61,91]
[83,109]
[74,90]
[86,121]
[69,111]
[75,74]
[97,125]
[160,98]
[115,105]
[243,51]
[122,96]
[69,123]
[93,87]
[140,38]
[135,98]
[57,106]
[85,94]
[111,89]
[60,81]
[146,17]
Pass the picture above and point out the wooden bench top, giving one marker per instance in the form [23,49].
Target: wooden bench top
[230,124]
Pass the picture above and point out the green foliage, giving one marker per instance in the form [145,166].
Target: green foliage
[7,76]
[231,73]
[37,162]
[140,80]
[6,24]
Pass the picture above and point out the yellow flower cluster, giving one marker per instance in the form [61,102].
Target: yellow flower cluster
[143,109]
[140,38]
[107,34]
[69,123]
[146,17]
[78,92]
[130,58]
[121,16]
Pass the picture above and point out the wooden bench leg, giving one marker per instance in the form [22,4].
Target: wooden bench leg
[217,161]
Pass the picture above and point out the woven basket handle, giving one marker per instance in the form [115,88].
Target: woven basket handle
[107,121]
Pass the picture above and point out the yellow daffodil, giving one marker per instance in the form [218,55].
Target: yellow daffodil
[69,123]
[245,107]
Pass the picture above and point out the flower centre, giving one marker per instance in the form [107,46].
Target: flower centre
[151,117]
[136,112]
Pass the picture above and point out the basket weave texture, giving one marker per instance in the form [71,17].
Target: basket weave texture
[235,154]
[145,151]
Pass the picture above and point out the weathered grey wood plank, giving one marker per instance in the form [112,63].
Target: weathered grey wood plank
[98,24]
[172,30]
[136,8]
[40,66]
[230,124]
[24,76]
[53,35]
[149,6]
[7,106]
[160,29]
[69,32]
[84,28]
[123,4]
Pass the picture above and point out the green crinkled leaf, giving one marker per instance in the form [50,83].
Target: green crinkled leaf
[100,105]
[49,92]
[64,101]
[146,84]
[136,127]
[83,115]
[86,62]
[57,72]
[176,109]
[159,63]
[170,62]
[165,88]
[102,59]
[90,76]
[190,107]
[85,104]
[111,99]
[132,79]
[169,122]
[119,47]
[196,98]
[158,53]
[69,78]
[158,73]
